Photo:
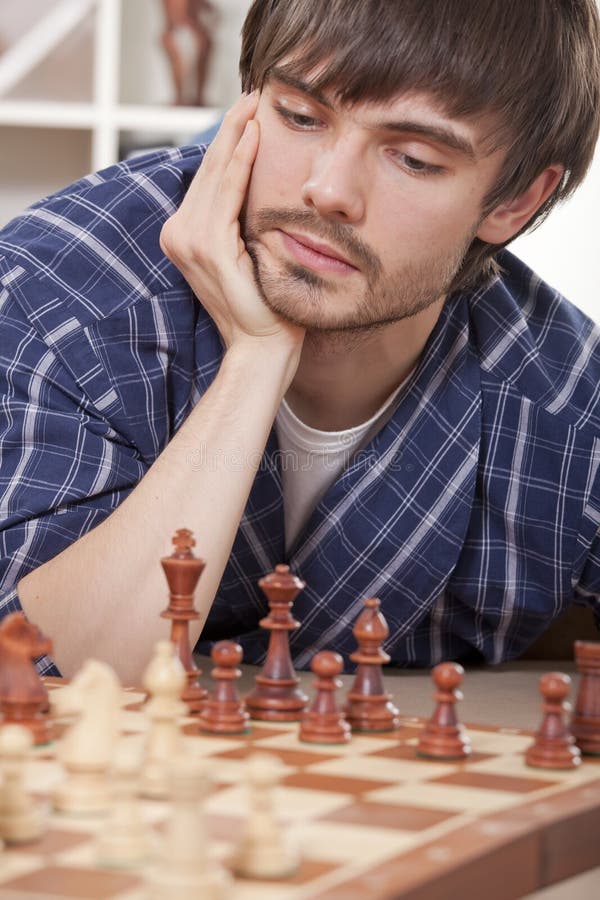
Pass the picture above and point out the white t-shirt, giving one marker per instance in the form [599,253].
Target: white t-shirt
[311,460]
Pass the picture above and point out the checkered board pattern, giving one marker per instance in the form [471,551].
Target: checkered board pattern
[372,819]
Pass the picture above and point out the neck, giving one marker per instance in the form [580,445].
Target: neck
[344,377]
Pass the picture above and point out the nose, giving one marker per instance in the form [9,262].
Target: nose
[334,187]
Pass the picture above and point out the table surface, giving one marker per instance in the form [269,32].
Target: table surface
[506,695]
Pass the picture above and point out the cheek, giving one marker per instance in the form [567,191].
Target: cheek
[415,234]
[424,221]
[271,181]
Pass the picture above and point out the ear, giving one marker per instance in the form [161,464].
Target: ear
[507,219]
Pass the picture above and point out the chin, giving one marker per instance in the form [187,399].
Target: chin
[299,314]
[304,299]
[318,319]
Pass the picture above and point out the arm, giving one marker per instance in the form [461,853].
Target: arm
[587,589]
[101,596]
[586,569]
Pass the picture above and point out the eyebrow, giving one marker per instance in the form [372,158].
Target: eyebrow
[305,87]
[440,134]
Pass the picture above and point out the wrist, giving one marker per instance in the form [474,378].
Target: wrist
[279,355]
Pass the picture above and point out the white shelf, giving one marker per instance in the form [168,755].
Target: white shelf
[125,117]
[103,116]
[40,40]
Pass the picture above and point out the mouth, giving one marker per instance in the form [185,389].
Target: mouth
[316,255]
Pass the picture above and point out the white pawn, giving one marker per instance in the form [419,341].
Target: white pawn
[20,818]
[126,839]
[87,747]
[164,679]
[265,850]
[185,871]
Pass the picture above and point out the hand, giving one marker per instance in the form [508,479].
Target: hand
[203,237]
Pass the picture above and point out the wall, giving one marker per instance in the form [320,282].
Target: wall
[565,250]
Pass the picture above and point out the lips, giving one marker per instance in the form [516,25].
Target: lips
[324,249]
[316,255]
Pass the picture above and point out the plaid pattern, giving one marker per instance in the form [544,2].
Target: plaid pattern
[472,513]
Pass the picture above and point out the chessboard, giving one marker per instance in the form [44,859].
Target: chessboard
[371,818]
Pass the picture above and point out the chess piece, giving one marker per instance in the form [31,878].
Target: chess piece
[224,712]
[443,737]
[265,850]
[323,722]
[87,746]
[586,718]
[20,817]
[164,679]
[183,570]
[277,695]
[554,746]
[126,839]
[23,695]
[368,707]
[185,870]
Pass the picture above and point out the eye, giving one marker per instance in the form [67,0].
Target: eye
[416,166]
[412,163]
[297,120]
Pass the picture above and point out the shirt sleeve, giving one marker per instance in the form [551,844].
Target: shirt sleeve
[64,467]
[586,585]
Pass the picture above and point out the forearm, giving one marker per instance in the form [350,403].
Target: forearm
[102,596]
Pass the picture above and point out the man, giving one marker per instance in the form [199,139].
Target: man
[365,386]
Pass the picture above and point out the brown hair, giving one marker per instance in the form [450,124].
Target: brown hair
[533,66]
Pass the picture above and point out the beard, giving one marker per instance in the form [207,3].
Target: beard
[320,305]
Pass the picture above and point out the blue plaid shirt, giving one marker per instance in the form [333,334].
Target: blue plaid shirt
[472,513]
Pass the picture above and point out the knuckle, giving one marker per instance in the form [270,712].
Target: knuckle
[232,184]
[208,163]
[178,245]
[166,239]
[197,251]
[228,122]
[226,183]
[239,156]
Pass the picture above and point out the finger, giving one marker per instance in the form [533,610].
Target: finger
[233,124]
[186,227]
[195,229]
[226,140]
[234,183]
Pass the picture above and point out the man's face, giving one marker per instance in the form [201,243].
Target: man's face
[360,216]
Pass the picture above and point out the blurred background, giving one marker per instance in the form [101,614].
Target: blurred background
[84,83]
